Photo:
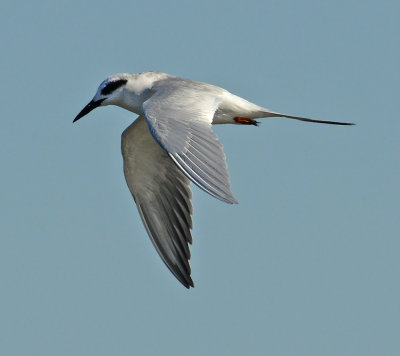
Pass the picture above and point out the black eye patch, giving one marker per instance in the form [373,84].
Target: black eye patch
[111,86]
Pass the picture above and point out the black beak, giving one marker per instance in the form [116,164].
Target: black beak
[88,108]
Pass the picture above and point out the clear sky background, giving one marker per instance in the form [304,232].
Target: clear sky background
[306,264]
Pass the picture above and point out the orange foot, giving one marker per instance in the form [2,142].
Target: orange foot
[245,121]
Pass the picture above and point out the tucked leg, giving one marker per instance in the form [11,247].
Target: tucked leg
[245,121]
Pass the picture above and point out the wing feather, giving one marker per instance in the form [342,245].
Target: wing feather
[179,116]
[163,197]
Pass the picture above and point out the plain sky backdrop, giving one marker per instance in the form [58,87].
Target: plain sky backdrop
[307,263]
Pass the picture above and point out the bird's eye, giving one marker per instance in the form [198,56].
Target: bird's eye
[111,86]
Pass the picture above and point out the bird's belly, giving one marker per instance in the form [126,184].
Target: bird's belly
[232,107]
[223,117]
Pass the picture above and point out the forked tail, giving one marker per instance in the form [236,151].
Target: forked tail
[271,113]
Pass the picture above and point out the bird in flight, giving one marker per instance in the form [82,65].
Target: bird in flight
[171,144]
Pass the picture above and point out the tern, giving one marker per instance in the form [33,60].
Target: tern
[171,144]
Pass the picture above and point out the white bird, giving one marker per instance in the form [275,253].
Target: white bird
[170,144]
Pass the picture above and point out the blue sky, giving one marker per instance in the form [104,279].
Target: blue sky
[306,264]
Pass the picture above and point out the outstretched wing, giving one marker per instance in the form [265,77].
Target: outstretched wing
[163,197]
[179,115]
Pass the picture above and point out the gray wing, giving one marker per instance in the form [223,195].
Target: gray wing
[163,197]
[179,115]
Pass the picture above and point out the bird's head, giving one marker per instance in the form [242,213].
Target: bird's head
[126,90]
[110,92]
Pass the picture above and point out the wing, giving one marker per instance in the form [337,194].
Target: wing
[163,197]
[179,115]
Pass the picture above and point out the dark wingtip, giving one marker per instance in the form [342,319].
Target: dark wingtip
[188,283]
